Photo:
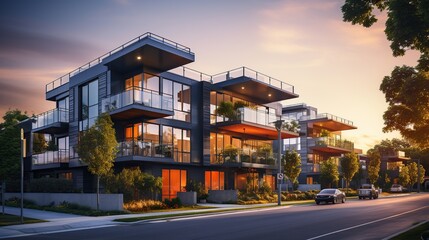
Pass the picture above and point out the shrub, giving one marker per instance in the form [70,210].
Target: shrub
[173,203]
[197,187]
[144,205]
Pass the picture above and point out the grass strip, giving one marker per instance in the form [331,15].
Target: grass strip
[7,220]
[414,233]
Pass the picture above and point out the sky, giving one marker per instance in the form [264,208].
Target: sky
[334,66]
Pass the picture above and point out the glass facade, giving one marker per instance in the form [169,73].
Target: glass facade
[145,139]
[181,95]
[89,105]
[173,181]
[214,180]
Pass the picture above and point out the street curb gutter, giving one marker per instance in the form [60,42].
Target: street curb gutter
[408,229]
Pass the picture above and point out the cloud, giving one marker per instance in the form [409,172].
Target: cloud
[20,47]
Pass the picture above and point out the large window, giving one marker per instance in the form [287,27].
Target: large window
[173,181]
[181,95]
[214,180]
[89,105]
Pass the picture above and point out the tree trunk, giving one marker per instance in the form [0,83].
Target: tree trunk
[98,192]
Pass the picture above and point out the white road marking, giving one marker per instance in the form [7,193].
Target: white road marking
[368,223]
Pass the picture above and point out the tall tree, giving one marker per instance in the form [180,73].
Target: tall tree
[373,165]
[412,173]
[10,147]
[422,174]
[406,90]
[97,147]
[349,167]
[292,165]
[329,172]
[404,177]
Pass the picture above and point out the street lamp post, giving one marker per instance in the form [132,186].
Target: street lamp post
[279,124]
[22,173]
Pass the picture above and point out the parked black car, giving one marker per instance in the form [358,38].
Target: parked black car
[330,195]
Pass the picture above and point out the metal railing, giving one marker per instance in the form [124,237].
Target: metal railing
[251,115]
[333,142]
[66,78]
[192,74]
[137,96]
[247,72]
[49,157]
[328,116]
[50,117]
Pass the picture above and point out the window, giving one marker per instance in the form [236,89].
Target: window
[245,181]
[173,181]
[181,95]
[214,180]
[309,180]
[271,181]
[63,103]
[89,105]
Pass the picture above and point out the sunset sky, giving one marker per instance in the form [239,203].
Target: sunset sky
[333,65]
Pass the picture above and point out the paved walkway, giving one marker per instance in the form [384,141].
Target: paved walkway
[69,222]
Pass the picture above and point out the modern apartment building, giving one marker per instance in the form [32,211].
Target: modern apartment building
[166,119]
[320,138]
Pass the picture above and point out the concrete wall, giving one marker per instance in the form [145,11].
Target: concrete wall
[307,187]
[223,196]
[187,198]
[108,202]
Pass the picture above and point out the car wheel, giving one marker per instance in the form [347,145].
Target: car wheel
[344,200]
[370,196]
[317,202]
[333,201]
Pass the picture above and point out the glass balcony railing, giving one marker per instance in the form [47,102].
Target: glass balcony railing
[147,148]
[251,115]
[245,156]
[247,72]
[57,115]
[49,157]
[333,142]
[191,73]
[328,116]
[137,96]
[66,78]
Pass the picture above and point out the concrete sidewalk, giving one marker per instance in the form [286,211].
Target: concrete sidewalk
[58,222]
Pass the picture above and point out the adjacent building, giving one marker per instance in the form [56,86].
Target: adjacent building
[320,139]
[170,120]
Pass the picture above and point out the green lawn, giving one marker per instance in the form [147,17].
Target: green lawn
[6,220]
[414,233]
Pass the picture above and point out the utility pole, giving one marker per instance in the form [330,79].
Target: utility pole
[279,124]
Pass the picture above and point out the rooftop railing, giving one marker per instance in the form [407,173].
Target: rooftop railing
[137,96]
[66,78]
[50,117]
[328,116]
[247,72]
[192,74]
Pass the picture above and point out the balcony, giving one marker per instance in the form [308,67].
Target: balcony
[253,124]
[141,150]
[52,122]
[329,122]
[154,51]
[311,168]
[242,82]
[138,103]
[331,145]
[233,157]
[50,159]
[391,155]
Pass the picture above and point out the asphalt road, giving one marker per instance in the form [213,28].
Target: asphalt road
[357,219]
